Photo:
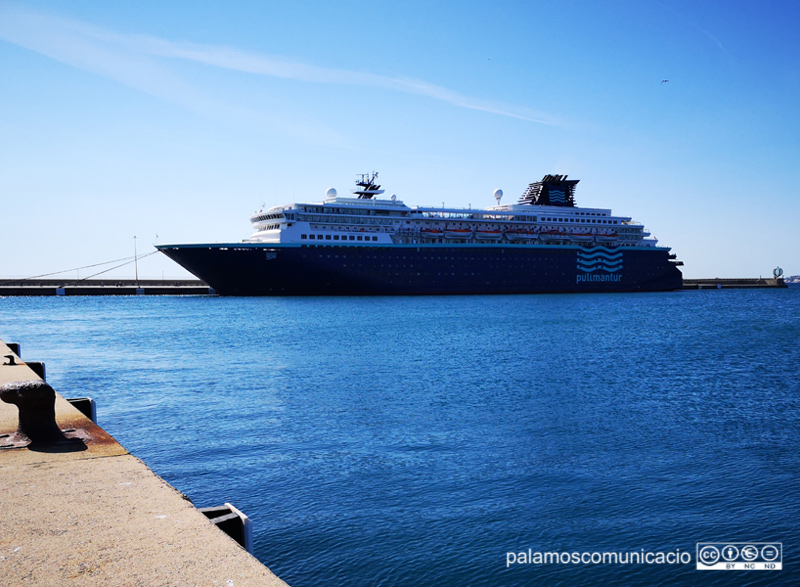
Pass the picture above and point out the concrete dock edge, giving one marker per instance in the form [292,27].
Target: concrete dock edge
[86,512]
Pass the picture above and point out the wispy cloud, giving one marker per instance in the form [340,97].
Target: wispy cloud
[92,49]
[688,19]
[142,62]
[717,42]
[233,59]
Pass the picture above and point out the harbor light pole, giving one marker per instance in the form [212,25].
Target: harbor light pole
[136,261]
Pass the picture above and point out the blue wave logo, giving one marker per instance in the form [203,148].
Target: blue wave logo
[557,195]
[599,258]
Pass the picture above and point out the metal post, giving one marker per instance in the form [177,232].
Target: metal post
[136,261]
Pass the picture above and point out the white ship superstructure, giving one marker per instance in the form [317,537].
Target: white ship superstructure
[545,214]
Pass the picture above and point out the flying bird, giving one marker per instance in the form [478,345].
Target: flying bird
[663,81]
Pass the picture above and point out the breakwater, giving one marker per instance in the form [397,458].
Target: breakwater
[185,287]
[734,283]
[103,287]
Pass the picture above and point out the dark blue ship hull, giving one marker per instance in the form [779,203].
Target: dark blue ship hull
[249,269]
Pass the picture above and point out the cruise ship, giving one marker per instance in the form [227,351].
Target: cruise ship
[364,244]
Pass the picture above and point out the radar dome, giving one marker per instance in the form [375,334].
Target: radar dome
[331,193]
[498,194]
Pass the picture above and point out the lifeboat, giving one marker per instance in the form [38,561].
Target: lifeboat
[489,235]
[581,237]
[608,236]
[430,233]
[521,235]
[552,235]
[457,233]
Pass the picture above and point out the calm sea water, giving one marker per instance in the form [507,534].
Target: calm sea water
[417,441]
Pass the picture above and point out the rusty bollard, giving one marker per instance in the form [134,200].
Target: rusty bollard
[36,402]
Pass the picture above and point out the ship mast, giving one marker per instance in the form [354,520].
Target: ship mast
[367,185]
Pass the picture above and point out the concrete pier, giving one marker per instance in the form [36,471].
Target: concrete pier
[78,509]
[103,287]
[733,283]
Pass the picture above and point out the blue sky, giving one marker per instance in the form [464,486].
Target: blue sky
[179,119]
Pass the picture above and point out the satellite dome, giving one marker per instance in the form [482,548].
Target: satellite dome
[498,194]
[331,193]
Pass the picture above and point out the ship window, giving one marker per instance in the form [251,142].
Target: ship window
[336,237]
[359,237]
[302,236]
[352,238]
[375,238]
[327,237]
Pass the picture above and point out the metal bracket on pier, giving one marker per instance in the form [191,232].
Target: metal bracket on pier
[85,405]
[233,522]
